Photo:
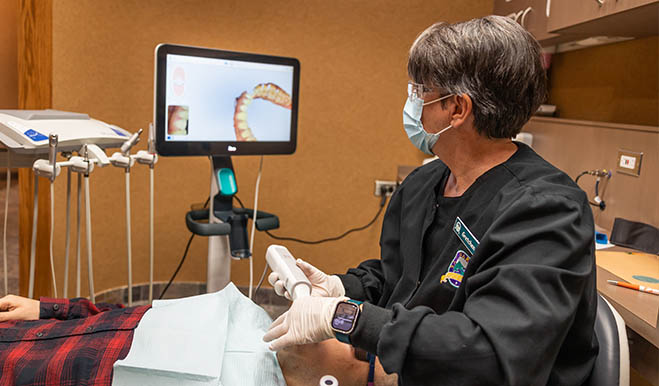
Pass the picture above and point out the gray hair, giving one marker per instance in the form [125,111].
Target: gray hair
[493,60]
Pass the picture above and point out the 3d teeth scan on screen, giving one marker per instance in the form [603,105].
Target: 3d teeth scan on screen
[269,92]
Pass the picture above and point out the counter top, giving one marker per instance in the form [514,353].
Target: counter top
[640,310]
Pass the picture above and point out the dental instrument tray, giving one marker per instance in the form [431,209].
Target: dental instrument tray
[25,133]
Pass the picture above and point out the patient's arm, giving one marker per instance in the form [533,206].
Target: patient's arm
[14,307]
[66,309]
[306,364]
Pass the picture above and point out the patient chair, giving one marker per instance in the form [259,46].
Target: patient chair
[612,363]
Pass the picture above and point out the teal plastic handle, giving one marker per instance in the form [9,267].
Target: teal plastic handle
[227,181]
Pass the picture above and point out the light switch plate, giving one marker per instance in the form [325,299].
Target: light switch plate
[629,162]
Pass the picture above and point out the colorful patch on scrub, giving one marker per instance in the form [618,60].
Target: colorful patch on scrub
[456,269]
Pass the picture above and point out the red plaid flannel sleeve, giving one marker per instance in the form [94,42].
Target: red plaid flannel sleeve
[75,343]
[67,309]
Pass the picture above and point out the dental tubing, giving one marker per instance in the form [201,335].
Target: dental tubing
[52,232]
[48,169]
[4,230]
[78,226]
[33,244]
[68,234]
[88,231]
[52,158]
[149,157]
[83,165]
[124,160]
[51,169]
[128,241]
[151,233]
[251,242]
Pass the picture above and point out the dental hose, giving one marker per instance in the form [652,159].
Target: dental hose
[88,231]
[4,231]
[251,241]
[68,233]
[128,240]
[151,235]
[52,233]
[78,225]
[33,249]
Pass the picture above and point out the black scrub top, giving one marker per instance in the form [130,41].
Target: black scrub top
[495,287]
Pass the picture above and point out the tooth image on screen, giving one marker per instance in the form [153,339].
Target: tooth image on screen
[269,92]
[179,81]
[177,121]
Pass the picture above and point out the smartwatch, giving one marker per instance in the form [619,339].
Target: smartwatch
[345,319]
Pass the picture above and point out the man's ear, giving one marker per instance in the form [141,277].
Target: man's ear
[462,110]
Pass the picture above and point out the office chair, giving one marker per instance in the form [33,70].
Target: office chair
[612,363]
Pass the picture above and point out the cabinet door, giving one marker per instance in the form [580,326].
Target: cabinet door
[631,18]
[624,5]
[566,13]
[531,14]
[534,19]
[508,7]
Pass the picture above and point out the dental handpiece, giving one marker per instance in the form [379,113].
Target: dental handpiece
[282,262]
[132,141]
[52,148]
[52,154]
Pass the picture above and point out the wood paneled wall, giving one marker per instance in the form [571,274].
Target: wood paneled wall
[575,146]
[34,92]
[353,87]
[8,55]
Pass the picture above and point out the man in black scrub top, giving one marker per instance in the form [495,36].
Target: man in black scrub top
[487,271]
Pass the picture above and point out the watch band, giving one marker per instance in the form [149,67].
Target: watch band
[345,338]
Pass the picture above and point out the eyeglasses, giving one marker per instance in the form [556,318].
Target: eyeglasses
[417,91]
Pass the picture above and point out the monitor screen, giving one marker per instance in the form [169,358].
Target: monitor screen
[214,102]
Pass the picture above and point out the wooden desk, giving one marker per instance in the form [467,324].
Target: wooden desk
[640,312]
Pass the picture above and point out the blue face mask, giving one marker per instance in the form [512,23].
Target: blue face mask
[419,137]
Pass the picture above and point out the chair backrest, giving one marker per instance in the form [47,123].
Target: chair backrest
[612,363]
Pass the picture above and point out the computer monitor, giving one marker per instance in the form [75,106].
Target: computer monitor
[212,102]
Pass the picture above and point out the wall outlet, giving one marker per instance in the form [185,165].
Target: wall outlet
[385,187]
[629,162]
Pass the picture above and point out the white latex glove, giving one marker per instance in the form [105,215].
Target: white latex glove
[322,284]
[307,321]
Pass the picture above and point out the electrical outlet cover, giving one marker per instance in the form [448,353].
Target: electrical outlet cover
[629,162]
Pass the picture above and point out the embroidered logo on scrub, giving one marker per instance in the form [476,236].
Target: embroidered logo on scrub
[457,269]
[465,235]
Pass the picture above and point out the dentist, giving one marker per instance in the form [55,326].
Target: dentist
[487,269]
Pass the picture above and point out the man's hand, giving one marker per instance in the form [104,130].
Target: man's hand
[14,307]
[307,321]
[322,284]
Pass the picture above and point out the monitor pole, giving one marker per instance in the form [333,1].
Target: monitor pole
[224,225]
[219,252]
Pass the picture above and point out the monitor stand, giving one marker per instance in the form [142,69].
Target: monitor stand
[219,253]
[224,225]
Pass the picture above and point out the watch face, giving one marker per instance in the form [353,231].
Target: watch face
[344,317]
